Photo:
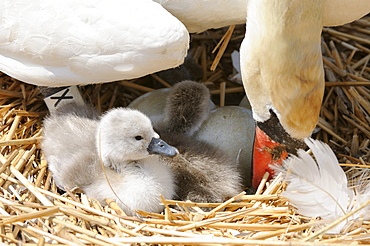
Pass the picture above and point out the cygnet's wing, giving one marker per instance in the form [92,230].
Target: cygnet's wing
[139,186]
[188,105]
[69,147]
[203,173]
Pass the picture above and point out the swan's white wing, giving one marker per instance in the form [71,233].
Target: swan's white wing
[54,43]
[200,15]
[336,13]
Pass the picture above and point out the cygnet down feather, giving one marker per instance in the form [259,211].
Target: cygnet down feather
[203,173]
[85,151]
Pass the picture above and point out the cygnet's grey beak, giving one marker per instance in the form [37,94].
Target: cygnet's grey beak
[159,147]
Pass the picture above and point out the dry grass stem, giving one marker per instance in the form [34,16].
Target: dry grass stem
[34,212]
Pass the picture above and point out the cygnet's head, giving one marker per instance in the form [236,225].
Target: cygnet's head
[126,135]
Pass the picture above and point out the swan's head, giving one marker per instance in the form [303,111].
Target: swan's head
[127,135]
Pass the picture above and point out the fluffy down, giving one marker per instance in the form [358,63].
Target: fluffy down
[76,145]
[202,172]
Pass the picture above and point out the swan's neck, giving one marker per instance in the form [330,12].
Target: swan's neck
[287,31]
[282,63]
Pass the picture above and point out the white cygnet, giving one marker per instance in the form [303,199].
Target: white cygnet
[121,147]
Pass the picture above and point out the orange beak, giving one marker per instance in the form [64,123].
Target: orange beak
[266,152]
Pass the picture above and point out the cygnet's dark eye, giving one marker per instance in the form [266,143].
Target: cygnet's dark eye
[138,137]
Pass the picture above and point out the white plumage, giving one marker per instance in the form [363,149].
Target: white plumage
[55,43]
[200,15]
[319,188]
[281,64]
[77,143]
[281,61]
[336,13]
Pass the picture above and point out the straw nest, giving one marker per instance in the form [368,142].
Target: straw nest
[33,211]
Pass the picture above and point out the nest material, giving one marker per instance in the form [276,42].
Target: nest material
[33,211]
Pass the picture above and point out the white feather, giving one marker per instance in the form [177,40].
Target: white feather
[317,188]
[362,190]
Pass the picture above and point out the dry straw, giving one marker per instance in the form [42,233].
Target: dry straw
[34,212]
